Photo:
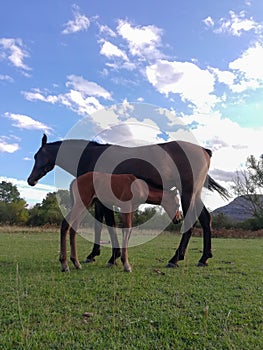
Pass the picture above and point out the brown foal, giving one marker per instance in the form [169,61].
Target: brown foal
[123,190]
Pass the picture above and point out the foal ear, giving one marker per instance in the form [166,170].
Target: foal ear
[44,140]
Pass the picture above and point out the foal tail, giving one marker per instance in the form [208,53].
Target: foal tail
[212,185]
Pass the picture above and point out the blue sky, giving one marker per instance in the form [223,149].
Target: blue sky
[62,61]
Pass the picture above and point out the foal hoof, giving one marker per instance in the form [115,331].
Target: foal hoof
[129,269]
[201,264]
[172,265]
[65,269]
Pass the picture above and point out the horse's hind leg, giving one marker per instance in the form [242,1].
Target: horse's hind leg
[110,222]
[205,221]
[116,252]
[99,213]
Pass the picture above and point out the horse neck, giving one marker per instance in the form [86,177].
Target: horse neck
[68,154]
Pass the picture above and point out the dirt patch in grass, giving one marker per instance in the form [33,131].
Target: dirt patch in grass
[230,233]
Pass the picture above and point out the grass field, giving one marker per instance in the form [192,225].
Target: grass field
[217,307]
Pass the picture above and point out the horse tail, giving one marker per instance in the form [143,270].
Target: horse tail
[208,151]
[212,185]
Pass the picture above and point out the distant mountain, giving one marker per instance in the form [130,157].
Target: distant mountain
[237,210]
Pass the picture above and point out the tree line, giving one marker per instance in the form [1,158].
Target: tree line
[14,209]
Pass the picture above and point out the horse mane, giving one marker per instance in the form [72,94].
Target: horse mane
[88,142]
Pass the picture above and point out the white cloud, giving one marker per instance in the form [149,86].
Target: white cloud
[5,77]
[79,23]
[104,29]
[37,95]
[82,97]
[6,146]
[208,21]
[231,144]
[87,88]
[245,72]
[143,41]
[225,77]
[131,133]
[249,67]
[25,122]
[109,50]
[78,103]
[14,51]
[74,100]
[186,79]
[119,57]
[238,24]
[121,65]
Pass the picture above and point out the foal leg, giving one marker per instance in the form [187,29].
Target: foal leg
[63,245]
[73,249]
[205,221]
[126,232]
[77,213]
[124,252]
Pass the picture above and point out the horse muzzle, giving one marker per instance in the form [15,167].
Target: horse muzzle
[31,182]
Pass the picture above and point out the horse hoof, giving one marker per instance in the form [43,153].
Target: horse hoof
[172,265]
[78,267]
[110,265]
[201,264]
[88,261]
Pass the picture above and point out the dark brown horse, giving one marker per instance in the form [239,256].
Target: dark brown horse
[123,190]
[173,164]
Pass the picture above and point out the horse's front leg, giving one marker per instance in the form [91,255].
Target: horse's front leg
[180,251]
[63,245]
[73,249]
[189,221]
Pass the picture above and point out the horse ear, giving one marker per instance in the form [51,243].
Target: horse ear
[44,140]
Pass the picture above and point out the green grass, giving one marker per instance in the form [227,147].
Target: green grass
[218,307]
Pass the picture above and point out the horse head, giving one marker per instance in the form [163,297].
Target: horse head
[44,162]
